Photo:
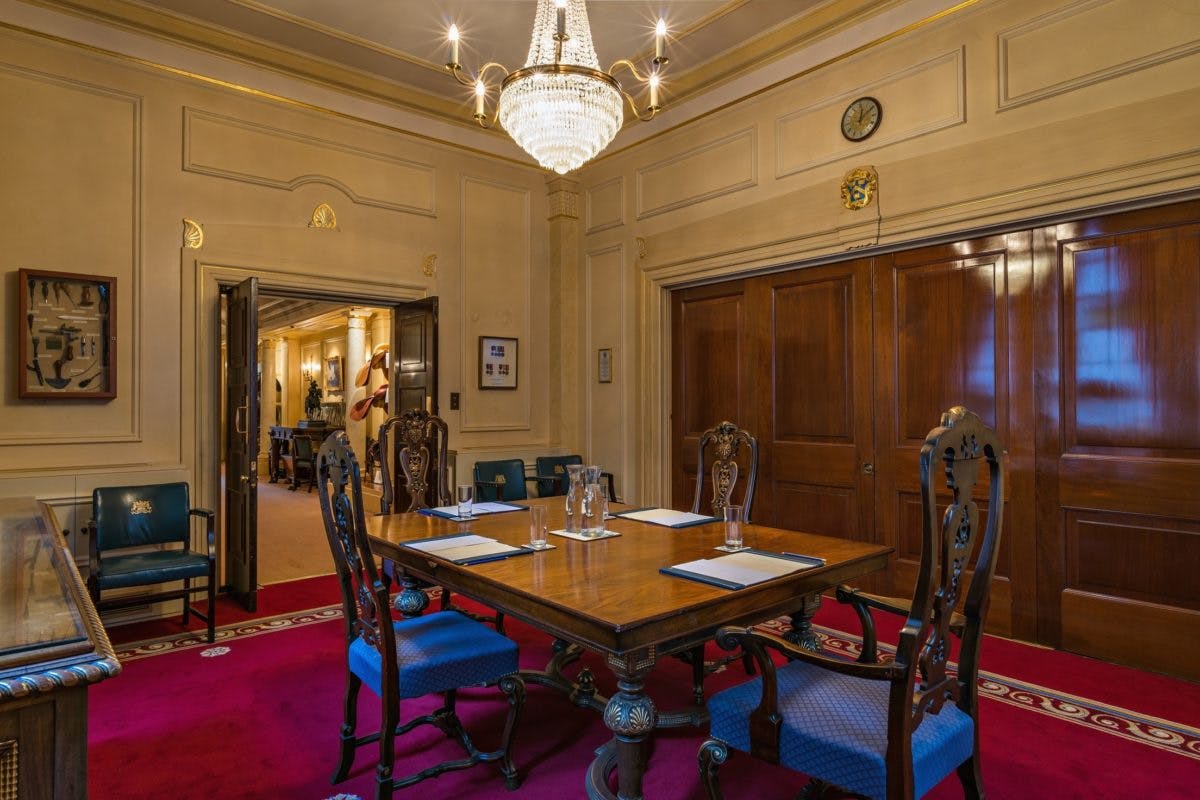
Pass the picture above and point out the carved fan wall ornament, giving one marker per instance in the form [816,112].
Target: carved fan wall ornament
[323,217]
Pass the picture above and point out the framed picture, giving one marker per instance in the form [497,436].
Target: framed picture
[497,362]
[604,365]
[66,336]
[333,374]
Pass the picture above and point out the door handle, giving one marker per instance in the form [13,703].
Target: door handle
[239,419]
[868,468]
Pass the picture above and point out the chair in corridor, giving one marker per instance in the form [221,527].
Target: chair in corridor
[891,729]
[437,653]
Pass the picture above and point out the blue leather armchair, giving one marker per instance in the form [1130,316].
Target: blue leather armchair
[126,520]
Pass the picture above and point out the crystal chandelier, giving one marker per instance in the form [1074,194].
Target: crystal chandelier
[560,107]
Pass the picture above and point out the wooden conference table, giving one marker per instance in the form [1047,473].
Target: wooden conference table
[608,595]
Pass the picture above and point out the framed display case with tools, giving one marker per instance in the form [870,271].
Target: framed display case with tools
[67,340]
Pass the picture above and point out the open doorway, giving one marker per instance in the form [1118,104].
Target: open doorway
[317,364]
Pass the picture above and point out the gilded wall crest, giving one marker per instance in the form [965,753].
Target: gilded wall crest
[323,217]
[858,187]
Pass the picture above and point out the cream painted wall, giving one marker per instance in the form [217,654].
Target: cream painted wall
[106,158]
[1002,112]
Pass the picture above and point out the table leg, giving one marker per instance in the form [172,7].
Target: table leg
[631,716]
[412,600]
[802,633]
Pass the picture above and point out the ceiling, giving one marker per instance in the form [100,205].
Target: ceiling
[393,50]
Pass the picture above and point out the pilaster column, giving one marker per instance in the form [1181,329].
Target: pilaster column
[566,323]
[356,349]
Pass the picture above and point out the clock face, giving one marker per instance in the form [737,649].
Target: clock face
[861,118]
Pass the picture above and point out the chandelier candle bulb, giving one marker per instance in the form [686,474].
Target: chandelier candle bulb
[654,91]
[660,36]
[453,37]
[480,93]
[560,9]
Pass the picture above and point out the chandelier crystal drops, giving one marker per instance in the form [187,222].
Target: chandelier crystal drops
[561,108]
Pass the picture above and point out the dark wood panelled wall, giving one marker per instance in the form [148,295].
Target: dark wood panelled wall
[1079,343]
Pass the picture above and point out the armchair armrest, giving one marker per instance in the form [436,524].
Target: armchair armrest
[766,720]
[863,602]
[210,532]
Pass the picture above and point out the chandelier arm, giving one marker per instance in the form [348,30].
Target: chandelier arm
[465,79]
[483,71]
[642,117]
[629,65]
[456,72]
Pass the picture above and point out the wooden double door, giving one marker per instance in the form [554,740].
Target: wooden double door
[1060,338]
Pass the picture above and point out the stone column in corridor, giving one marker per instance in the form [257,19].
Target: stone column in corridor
[356,352]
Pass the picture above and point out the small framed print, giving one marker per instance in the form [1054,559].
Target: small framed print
[497,362]
[333,374]
[604,365]
[66,336]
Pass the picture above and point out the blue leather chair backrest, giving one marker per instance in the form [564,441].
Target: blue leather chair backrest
[510,472]
[556,466]
[129,516]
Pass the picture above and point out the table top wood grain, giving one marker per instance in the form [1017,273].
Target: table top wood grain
[608,593]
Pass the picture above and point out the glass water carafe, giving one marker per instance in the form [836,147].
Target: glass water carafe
[574,503]
[593,503]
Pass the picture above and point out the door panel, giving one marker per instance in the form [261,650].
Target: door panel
[1120,515]
[241,444]
[817,419]
[952,329]
[711,348]
[413,379]
[414,357]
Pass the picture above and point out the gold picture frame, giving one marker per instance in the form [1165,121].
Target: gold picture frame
[66,336]
[497,362]
[334,380]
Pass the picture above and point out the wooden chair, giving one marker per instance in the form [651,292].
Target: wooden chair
[413,448]
[503,480]
[552,475]
[892,729]
[412,445]
[301,458]
[436,653]
[128,519]
[722,444]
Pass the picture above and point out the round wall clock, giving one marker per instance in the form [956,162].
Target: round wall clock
[861,118]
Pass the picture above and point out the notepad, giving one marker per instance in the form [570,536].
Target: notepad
[584,538]
[739,570]
[466,548]
[477,510]
[668,517]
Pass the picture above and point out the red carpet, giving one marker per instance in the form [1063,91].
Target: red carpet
[260,721]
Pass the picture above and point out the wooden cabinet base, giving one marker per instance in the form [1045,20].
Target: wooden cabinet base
[43,747]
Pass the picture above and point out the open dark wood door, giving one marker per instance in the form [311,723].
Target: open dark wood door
[414,356]
[413,377]
[241,444]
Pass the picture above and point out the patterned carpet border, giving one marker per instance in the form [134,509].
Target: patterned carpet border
[1172,737]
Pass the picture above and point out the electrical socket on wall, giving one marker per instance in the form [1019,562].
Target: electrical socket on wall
[454,401]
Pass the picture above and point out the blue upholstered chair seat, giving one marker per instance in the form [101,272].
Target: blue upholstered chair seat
[835,728]
[158,566]
[438,652]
